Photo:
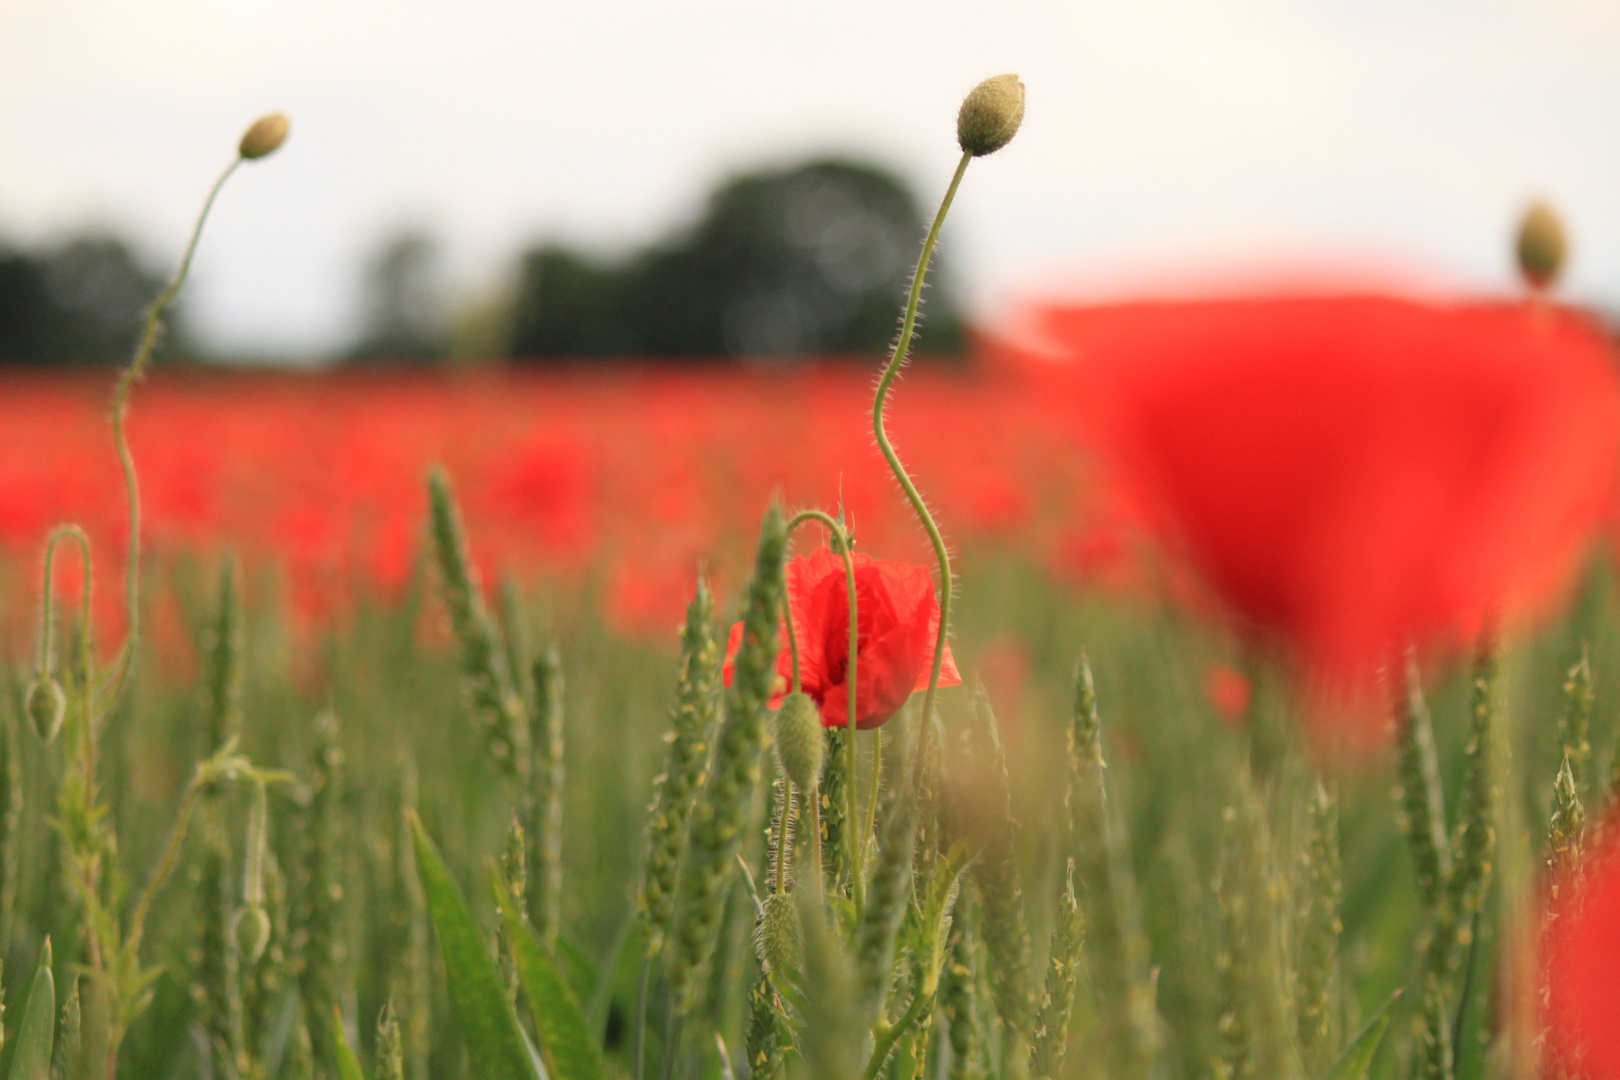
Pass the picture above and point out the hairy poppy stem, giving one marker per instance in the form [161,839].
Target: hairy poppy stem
[47,621]
[902,347]
[841,539]
[126,382]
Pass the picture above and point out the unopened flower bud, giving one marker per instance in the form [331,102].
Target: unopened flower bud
[264,137]
[990,115]
[799,741]
[1541,246]
[47,705]
[252,931]
[779,941]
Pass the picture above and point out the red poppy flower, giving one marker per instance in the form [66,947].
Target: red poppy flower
[898,625]
[1581,955]
[1347,475]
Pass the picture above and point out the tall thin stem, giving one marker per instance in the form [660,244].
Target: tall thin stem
[901,348]
[126,382]
[851,789]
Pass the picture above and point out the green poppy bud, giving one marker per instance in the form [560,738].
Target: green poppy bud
[264,137]
[779,940]
[47,705]
[1542,246]
[990,115]
[799,742]
[252,931]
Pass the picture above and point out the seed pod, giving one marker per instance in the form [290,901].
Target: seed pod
[799,742]
[47,705]
[1542,246]
[252,932]
[264,137]
[990,115]
[778,939]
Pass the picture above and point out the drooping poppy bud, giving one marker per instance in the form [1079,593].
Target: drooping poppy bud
[252,932]
[799,742]
[779,940]
[990,115]
[47,705]
[1542,246]
[264,137]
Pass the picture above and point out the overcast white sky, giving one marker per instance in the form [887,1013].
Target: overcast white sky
[1160,133]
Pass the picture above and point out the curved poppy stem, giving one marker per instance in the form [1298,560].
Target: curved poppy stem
[842,545]
[81,682]
[902,347]
[126,382]
[47,627]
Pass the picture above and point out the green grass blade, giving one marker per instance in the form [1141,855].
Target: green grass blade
[566,1044]
[489,1025]
[35,1035]
[348,1065]
[1358,1056]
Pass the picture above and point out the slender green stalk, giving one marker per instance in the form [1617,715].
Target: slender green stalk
[897,360]
[126,382]
[843,546]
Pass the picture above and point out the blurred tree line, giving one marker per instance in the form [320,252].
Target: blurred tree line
[812,259]
[77,301]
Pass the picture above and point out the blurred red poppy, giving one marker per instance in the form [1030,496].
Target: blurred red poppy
[898,625]
[1581,956]
[1349,474]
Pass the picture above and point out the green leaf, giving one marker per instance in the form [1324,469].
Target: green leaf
[566,1044]
[577,967]
[348,1064]
[37,1032]
[495,1042]
[1358,1056]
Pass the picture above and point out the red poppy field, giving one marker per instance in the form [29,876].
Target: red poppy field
[1310,551]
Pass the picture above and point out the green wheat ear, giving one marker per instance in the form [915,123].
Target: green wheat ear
[1419,796]
[1319,931]
[717,821]
[1051,1034]
[692,724]
[546,796]
[11,806]
[889,890]
[1122,984]
[318,917]
[1256,1035]
[1577,718]
[495,705]
[1564,839]
[1000,888]
[390,1045]
[958,995]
